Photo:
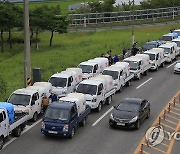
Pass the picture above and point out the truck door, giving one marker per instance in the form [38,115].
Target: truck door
[96,70]
[100,93]
[70,85]
[35,104]
[122,78]
[4,124]
[74,122]
[158,63]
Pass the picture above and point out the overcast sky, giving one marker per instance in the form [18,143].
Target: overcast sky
[136,2]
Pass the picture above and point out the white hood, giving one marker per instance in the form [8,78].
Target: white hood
[19,108]
[87,76]
[58,90]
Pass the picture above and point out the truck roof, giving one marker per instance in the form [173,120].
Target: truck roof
[25,91]
[91,82]
[113,68]
[88,63]
[176,39]
[167,45]
[154,50]
[133,58]
[62,75]
[63,105]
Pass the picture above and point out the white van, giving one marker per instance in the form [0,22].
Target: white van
[157,58]
[66,81]
[170,50]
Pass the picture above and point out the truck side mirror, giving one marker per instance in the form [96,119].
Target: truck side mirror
[94,71]
[99,92]
[69,84]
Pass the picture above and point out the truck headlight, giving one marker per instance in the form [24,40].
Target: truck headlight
[94,100]
[27,111]
[133,119]
[111,116]
[65,128]
[43,125]
[64,91]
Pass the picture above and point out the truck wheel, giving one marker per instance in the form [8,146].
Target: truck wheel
[120,89]
[157,68]
[146,73]
[99,107]
[35,117]
[83,122]
[17,131]
[109,100]
[128,83]
[72,133]
[1,142]
[162,64]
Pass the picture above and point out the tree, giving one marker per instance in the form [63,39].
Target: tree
[94,6]
[127,6]
[107,6]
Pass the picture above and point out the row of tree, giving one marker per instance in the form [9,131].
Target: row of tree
[42,18]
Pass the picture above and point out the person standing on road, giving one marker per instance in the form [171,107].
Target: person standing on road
[53,97]
[116,58]
[45,103]
[124,52]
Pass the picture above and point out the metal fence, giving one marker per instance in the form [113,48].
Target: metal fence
[123,16]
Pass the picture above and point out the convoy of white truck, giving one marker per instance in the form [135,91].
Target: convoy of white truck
[89,86]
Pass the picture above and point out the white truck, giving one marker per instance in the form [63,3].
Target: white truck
[177,41]
[10,123]
[66,81]
[170,50]
[93,67]
[157,57]
[169,37]
[29,100]
[120,73]
[98,90]
[139,64]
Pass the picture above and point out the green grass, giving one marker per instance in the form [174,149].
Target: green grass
[69,50]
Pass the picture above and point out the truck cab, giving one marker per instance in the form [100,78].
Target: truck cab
[156,57]
[26,100]
[4,123]
[177,41]
[66,81]
[170,50]
[150,45]
[169,37]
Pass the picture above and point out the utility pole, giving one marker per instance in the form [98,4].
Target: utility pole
[27,65]
[133,23]
[84,15]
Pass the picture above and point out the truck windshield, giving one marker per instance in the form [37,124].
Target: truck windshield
[177,42]
[167,38]
[152,56]
[166,50]
[133,65]
[19,99]
[148,46]
[86,68]
[58,82]
[57,114]
[87,89]
[114,74]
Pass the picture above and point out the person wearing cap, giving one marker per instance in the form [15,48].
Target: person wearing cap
[53,97]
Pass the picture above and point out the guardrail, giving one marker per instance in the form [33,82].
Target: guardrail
[123,16]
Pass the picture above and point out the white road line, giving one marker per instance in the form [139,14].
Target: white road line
[25,130]
[95,123]
[143,83]
[171,65]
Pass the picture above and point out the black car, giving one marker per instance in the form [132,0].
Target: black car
[130,113]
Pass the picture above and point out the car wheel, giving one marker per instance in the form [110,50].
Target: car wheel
[17,131]
[148,115]
[99,107]
[137,125]
[1,142]
[72,133]
[109,100]
[35,117]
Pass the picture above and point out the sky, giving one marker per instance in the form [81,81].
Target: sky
[136,2]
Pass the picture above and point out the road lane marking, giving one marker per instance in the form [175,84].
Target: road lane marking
[25,130]
[171,65]
[97,121]
[143,83]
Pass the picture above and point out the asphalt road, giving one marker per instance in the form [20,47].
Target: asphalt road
[160,87]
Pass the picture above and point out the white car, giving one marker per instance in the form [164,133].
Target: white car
[177,67]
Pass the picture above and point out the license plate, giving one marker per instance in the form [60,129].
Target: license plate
[52,132]
[120,124]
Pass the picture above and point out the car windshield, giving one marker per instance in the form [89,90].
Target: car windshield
[167,38]
[58,82]
[19,99]
[152,56]
[133,65]
[131,107]
[57,114]
[87,89]
[177,42]
[114,74]
[148,46]
[86,68]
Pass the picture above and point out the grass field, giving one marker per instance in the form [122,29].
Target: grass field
[69,50]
